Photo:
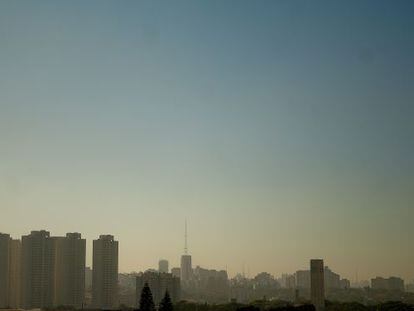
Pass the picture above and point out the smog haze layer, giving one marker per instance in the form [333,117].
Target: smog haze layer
[282,131]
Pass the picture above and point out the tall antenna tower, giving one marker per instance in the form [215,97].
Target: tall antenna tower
[185,239]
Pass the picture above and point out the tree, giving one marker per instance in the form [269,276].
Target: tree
[166,304]
[146,303]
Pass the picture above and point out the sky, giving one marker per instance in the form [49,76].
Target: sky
[282,130]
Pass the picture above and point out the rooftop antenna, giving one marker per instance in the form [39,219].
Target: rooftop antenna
[185,239]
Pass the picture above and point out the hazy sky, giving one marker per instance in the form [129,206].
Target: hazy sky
[282,130]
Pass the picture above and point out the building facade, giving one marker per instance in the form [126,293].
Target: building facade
[186,268]
[163,266]
[14,273]
[317,284]
[37,270]
[332,279]
[105,273]
[211,286]
[69,281]
[4,269]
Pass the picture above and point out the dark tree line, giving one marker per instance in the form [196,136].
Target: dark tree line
[146,302]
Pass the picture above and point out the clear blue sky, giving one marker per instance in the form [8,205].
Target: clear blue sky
[283,130]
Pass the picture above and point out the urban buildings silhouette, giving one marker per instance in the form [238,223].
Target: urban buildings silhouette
[49,271]
[52,270]
[392,283]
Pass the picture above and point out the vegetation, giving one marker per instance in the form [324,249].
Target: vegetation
[146,302]
[166,303]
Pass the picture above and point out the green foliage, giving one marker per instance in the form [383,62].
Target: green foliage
[347,306]
[166,304]
[395,306]
[146,303]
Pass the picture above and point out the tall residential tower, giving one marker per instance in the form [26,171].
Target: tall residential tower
[4,270]
[70,253]
[105,273]
[15,251]
[317,284]
[37,270]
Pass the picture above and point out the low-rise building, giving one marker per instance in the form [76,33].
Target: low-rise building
[391,283]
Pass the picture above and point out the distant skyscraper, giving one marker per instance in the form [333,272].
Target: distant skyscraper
[163,266]
[70,270]
[37,270]
[317,284]
[186,266]
[4,270]
[105,273]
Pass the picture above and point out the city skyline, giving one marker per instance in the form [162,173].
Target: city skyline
[164,264]
[281,130]
[46,271]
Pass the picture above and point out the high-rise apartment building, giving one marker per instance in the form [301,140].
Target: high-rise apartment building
[15,250]
[37,272]
[52,270]
[4,269]
[105,273]
[9,272]
[69,278]
[317,284]
[163,266]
